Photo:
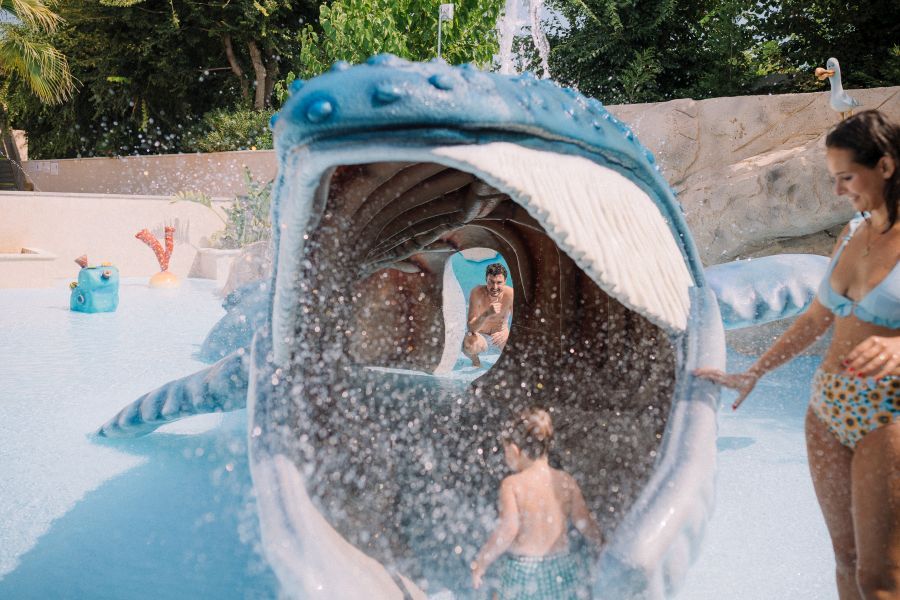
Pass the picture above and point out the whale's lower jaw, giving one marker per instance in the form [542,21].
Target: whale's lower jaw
[363,476]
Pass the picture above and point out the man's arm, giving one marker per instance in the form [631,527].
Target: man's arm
[477,317]
[473,319]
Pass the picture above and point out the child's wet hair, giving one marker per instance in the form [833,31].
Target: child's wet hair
[532,431]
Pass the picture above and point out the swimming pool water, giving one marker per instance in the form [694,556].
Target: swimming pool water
[172,515]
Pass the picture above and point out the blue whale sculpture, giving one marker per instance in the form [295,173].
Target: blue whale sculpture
[380,482]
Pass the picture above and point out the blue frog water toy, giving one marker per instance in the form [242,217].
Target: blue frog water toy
[97,288]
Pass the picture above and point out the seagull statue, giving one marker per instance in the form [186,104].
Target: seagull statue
[841,101]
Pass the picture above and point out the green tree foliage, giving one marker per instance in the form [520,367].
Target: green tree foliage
[256,37]
[863,36]
[25,54]
[650,50]
[353,30]
[151,70]
[222,130]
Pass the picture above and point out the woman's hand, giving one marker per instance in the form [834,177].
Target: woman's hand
[875,357]
[742,382]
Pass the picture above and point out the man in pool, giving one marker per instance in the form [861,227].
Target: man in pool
[489,308]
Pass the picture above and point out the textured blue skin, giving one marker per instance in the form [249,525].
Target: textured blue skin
[94,292]
[391,98]
[247,310]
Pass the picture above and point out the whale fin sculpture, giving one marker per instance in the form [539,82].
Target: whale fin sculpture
[219,388]
[760,290]
[386,170]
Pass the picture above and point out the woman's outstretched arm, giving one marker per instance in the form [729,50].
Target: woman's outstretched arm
[808,327]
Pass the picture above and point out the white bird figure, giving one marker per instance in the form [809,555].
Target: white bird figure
[841,101]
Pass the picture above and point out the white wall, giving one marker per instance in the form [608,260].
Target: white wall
[65,226]
[218,174]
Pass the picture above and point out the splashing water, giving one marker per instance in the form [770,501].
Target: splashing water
[508,24]
[538,37]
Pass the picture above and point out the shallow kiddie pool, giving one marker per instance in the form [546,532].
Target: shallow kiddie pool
[171,515]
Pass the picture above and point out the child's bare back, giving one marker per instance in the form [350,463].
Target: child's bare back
[546,499]
[536,504]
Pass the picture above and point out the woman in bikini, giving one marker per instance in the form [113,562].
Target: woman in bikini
[853,420]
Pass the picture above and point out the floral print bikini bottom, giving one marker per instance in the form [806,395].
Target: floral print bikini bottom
[852,407]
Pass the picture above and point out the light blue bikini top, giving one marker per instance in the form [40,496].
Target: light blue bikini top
[880,306]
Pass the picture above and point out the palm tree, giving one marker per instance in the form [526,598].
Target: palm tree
[40,65]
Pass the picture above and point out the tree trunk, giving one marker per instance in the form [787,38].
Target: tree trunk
[259,67]
[10,151]
[271,76]
[236,67]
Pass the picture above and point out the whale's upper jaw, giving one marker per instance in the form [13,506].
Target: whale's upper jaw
[400,111]
[389,95]
[602,267]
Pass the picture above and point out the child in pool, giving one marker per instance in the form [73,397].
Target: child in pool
[536,504]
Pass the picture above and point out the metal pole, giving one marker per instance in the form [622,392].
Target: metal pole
[445,13]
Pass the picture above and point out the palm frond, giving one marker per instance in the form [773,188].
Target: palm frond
[120,3]
[43,67]
[32,13]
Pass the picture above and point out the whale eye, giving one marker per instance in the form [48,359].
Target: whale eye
[80,299]
[106,274]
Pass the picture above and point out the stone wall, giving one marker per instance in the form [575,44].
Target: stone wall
[750,171]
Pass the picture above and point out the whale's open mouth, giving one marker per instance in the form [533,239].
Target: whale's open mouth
[386,481]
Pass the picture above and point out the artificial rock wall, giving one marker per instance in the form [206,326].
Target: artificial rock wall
[750,171]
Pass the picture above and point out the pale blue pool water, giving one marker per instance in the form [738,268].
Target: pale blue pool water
[171,515]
